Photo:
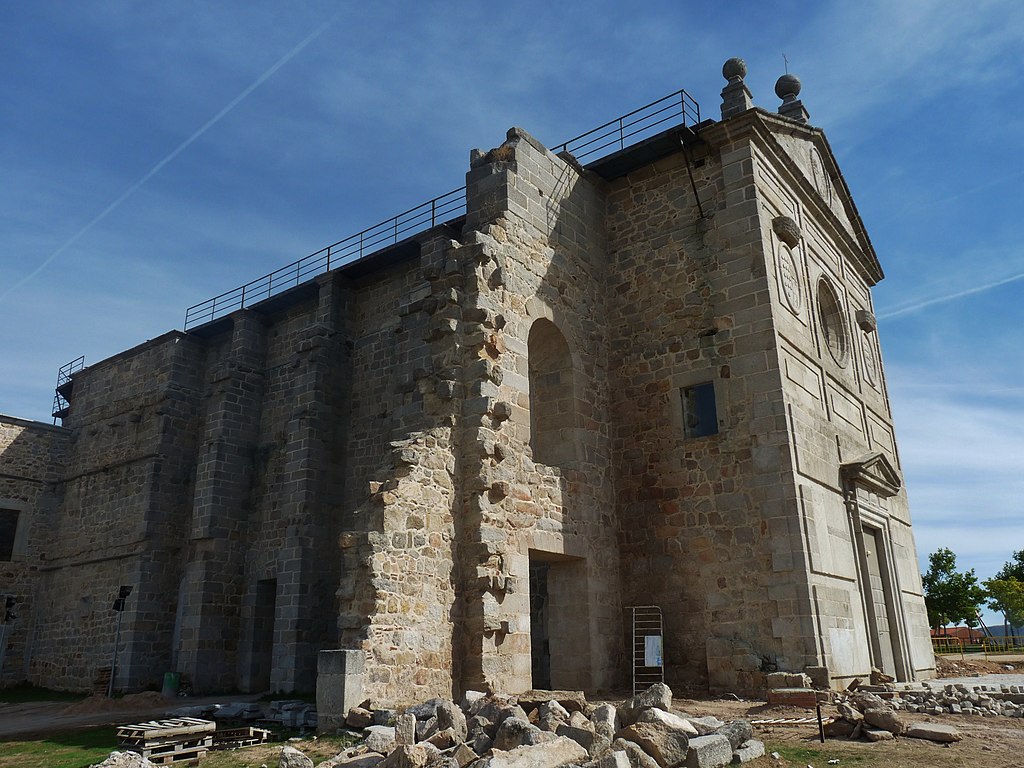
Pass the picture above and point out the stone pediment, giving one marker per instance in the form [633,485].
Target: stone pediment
[874,472]
[804,152]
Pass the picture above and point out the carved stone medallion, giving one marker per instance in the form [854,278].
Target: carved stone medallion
[870,361]
[789,275]
[822,183]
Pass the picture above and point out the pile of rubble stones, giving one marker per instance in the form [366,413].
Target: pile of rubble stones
[960,699]
[864,715]
[541,729]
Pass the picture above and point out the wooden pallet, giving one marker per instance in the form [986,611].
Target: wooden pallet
[233,738]
[793,721]
[169,741]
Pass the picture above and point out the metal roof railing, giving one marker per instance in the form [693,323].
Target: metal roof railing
[676,108]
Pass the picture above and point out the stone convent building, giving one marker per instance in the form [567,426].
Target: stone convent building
[643,375]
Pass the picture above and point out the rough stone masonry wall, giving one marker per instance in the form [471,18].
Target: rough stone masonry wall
[534,251]
[691,305]
[397,590]
[30,455]
[125,487]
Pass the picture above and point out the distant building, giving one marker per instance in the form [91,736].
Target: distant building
[644,375]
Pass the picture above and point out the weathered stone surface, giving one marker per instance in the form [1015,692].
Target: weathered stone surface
[617,759]
[864,700]
[705,726]
[552,754]
[443,740]
[380,738]
[425,710]
[665,744]
[658,695]
[637,757]
[876,734]
[359,718]
[708,752]
[124,760]
[450,716]
[292,758]
[748,751]
[737,732]
[606,720]
[571,701]
[839,729]
[463,755]
[413,756]
[516,732]
[582,736]
[672,720]
[405,729]
[550,715]
[349,760]
[885,719]
[933,732]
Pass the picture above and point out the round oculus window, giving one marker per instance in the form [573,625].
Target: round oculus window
[833,327]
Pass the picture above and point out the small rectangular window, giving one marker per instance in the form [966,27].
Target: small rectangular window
[8,530]
[700,415]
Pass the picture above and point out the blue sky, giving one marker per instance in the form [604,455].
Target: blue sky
[155,154]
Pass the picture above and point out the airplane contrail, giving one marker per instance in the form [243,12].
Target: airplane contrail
[173,154]
[918,306]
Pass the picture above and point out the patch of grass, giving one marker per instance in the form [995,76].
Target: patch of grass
[76,749]
[23,693]
[80,749]
[812,756]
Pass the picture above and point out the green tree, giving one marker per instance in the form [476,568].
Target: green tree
[949,595]
[1007,597]
[1012,569]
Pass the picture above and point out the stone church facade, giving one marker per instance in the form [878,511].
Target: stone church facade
[653,379]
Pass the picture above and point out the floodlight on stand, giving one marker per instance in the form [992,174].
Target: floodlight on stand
[119,603]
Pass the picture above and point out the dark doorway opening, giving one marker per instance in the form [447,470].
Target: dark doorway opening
[540,642]
[262,658]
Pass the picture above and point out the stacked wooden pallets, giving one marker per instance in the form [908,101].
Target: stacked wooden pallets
[169,741]
[244,736]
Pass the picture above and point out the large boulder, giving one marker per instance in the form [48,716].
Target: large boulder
[515,732]
[709,752]
[751,750]
[655,715]
[606,720]
[933,732]
[380,738]
[552,754]
[706,726]
[658,695]
[885,719]
[737,732]
[293,758]
[665,744]
[450,716]
[865,700]
[550,715]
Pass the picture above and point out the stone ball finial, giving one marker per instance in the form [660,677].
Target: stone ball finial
[734,69]
[787,87]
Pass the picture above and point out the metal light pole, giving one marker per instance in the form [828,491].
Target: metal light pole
[122,596]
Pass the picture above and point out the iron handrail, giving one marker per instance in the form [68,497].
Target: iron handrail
[64,374]
[642,121]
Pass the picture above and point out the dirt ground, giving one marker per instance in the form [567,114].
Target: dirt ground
[954,666]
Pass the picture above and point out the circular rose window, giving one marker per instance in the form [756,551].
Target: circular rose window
[833,327]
